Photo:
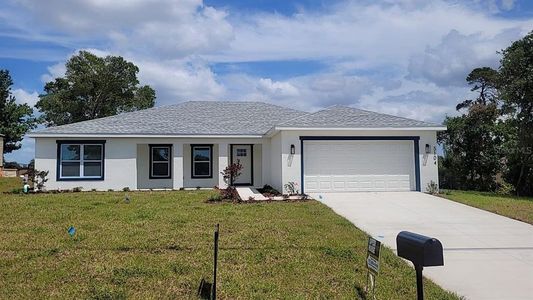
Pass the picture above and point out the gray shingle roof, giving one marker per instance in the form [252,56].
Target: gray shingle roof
[188,118]
[229,118]
[347,117]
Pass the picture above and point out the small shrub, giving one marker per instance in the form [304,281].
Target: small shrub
[215,198]
[17,191]
[230,193]
[505,188]
[250,198]
[432,188]
[267,190]
[232,172]
[291,187]
[126,189]
[93,190]
[77,189]
[110,190]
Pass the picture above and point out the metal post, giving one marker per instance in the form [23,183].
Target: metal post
[419,283]
[214,288]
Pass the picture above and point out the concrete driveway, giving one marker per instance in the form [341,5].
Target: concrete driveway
[486,256]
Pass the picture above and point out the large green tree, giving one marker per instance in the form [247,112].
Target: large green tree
[93,87]
[516,88]
[472,142]
[15,119]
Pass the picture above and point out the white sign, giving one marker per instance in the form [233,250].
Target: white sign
[373,254]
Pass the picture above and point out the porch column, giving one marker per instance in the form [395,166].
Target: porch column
[223,162]
[177,166]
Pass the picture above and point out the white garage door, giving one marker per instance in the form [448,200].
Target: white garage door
[352,166]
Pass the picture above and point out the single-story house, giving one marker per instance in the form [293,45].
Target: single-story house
[187,145]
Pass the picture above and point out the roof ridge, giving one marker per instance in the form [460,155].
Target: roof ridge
[404,118]
[308,114]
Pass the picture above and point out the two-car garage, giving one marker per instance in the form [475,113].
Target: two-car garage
[353,164]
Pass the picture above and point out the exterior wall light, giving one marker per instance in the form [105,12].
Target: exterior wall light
[428,149]
[293,149]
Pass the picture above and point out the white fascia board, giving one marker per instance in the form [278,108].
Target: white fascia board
[68,135]
[437,128]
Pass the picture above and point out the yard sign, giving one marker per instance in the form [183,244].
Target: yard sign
[372,258]
[372,264]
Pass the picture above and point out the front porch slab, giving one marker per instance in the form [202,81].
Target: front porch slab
[246,192]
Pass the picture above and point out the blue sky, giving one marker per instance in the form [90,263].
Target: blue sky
[406,57]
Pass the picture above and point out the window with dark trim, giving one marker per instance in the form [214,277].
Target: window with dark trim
[160,161]
[201,161]
[80,160]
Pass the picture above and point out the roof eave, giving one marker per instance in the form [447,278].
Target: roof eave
[428,128]
[101,135]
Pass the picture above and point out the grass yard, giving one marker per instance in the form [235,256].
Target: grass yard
[519,208]
[7,184]
[160,245]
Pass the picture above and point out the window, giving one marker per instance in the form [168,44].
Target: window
[80,160]
[241,152]
[201,161]
[160,161]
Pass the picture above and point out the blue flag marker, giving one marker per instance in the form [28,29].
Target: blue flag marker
[319,196]
[71,231]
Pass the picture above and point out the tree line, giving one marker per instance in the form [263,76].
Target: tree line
[489,147]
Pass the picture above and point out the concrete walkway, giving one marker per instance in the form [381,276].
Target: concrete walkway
[246,192]
[486,256]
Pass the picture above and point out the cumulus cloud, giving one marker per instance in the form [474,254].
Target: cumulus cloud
[449,62]
[24,97]
[407,56]
[180,80]
[277,88]
[166,28]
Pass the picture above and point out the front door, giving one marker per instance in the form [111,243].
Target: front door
[243,154]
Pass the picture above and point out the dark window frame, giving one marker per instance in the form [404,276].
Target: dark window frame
[170,158]
[59,144]
[210,147]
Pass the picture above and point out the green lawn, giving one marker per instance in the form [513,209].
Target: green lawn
[519,208]
[160,246]
[7,184]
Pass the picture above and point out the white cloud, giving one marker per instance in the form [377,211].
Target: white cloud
[449,62]
[23,96]
[177,81]
[406,57]
[277,88]
[166,28]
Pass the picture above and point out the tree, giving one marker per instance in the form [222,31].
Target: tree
[93,87]
[516,73]
[15,119]
[485,82]
[472,143]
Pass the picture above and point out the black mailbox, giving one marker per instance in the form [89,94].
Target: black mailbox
[422,251]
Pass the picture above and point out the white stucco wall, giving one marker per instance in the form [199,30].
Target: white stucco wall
[290,165]
[126,160]
[120,166]
[276,176]
[126,163]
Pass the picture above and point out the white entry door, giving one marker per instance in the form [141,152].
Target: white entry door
[243,154]
[352,166]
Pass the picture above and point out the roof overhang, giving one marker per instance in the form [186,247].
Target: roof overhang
[276,129]
[86,135]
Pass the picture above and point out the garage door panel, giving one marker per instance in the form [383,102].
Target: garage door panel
[358,166]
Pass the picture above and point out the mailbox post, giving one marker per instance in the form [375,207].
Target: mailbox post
[422,251]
